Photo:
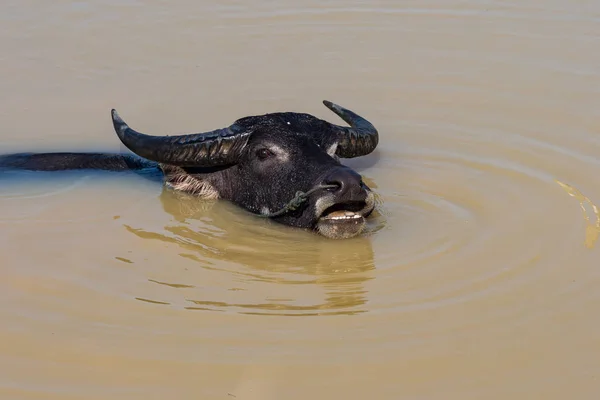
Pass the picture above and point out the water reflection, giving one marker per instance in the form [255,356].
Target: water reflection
[261,256]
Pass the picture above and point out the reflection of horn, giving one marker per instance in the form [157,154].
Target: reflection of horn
[358,140]
[222,239]
[209,149]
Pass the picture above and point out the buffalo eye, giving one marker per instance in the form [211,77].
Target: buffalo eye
[263,153]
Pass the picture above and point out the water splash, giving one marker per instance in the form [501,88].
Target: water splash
[592,230]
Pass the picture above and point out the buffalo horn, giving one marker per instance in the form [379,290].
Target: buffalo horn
[209,149]
[360,139]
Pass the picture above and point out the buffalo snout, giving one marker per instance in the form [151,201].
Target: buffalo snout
[346,183]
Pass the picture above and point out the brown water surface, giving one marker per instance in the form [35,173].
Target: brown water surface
[478,279]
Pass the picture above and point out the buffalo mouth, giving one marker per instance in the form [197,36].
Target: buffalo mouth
[344,220]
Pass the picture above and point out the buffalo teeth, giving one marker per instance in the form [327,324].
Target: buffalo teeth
[343,215]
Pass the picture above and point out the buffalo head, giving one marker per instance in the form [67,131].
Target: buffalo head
[261,162]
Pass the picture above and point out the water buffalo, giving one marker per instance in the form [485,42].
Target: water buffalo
[284,166]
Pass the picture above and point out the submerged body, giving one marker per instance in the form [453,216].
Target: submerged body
[260,163]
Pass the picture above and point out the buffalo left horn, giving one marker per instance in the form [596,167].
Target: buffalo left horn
[360,139]
[209,149]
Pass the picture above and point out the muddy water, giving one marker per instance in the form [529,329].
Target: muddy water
[478,277]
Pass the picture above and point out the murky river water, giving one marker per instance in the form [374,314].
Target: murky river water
[479,278]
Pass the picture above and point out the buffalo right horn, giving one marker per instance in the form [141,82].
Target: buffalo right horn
[360,139]
[209,149]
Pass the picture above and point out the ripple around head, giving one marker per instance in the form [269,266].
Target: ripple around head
[451,227]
